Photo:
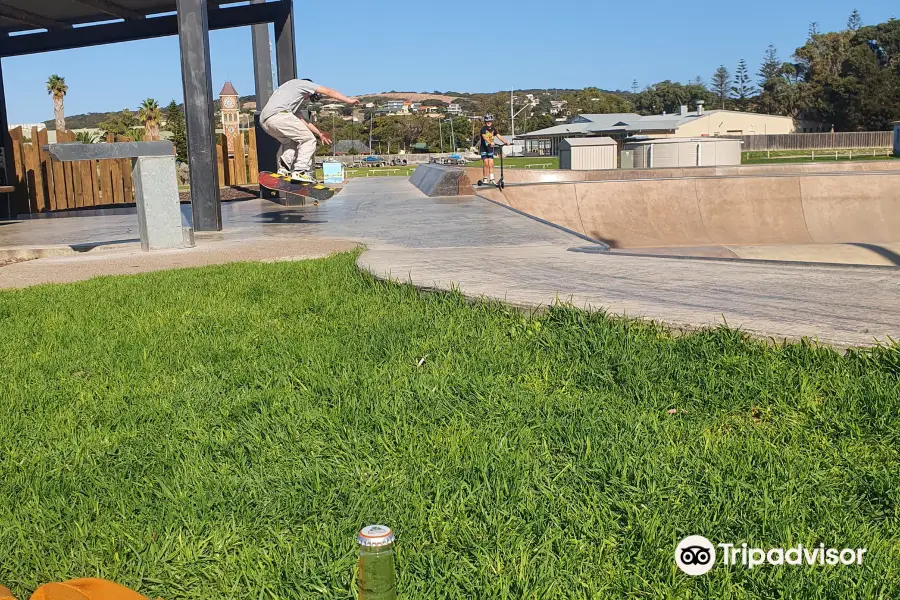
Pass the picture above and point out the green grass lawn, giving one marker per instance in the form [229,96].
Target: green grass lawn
[798,156]
[518,162]
[400,171]
[224,432]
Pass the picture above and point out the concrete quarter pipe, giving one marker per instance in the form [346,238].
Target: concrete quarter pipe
[793,213]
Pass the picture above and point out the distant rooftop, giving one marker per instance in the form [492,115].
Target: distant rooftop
[228,90]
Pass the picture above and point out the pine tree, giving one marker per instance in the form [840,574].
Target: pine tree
[770,67]
[813,30]
[743,89]
[634,87]
[855,21]
[176,124]
[721,83]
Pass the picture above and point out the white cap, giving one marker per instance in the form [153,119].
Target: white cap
[375,535]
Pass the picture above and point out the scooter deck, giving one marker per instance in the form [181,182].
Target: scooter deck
[499,185]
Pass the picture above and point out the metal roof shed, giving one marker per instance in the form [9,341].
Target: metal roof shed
[49,25]
[659,153]
[588,154]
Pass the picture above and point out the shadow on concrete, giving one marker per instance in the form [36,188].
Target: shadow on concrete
[880,251]
[286,217]
[91,245]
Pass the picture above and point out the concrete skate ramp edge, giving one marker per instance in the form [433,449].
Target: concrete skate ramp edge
[559,175]
[441,180]
[800,208]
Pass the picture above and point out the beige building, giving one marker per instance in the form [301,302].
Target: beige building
[683,124]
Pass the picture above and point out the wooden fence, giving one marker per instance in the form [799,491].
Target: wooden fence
[42,185]
[242,167]
[818,141]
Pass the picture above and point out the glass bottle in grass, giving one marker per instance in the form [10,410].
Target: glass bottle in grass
[376,563]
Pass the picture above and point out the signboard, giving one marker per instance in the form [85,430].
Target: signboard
[334,173]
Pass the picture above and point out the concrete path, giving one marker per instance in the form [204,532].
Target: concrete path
[488,250]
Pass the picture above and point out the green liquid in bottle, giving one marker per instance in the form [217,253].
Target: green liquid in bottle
[376,564]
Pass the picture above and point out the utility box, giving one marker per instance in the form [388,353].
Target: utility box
[588,154]
[626,159]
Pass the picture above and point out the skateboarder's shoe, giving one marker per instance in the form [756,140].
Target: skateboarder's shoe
[302,177]
[284,172]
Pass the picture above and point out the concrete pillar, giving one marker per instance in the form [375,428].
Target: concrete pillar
[266,146]
[262,61]
[285,52]
[6,209]
[158,206]
[196,74]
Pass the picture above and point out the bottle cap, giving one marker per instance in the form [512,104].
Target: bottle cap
[375,535]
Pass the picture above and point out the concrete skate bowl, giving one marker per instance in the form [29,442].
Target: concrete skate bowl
[848,217]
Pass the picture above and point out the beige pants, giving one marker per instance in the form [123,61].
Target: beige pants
[298,143]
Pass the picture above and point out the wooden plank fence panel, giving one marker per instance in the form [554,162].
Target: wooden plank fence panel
[226,160]
[252,159]
[115,170]
[43,166]
[87,186]
[78,193]
[59,185]
[127,183]
[240,163]
[125,173]
[70,171]
[39,194]
[94,167]
[19,178]
[220,165]
[29,177]
[104,172]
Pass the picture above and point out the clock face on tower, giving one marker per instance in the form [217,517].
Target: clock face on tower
[229,103]
[231,129]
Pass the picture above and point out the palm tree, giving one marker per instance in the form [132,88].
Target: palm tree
[56,86]
[151,115]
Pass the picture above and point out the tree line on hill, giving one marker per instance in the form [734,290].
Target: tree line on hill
[849,79]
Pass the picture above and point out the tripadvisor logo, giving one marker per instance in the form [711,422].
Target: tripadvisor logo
[696,555]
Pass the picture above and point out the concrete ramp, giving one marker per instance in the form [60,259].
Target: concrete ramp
[766,209]
[557,176]
[440,180]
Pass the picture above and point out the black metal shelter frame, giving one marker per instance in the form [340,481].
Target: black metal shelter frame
[35,26]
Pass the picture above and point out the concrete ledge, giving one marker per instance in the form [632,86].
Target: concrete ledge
[78,151]
[441,180]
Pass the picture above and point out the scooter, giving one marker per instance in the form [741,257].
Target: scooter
[499,185]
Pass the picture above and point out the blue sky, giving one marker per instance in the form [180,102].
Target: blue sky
[363,46]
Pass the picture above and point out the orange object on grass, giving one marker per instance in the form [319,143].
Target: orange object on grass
[80,589]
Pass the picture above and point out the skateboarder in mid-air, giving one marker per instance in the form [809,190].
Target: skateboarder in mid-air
[485,144]
[281,118]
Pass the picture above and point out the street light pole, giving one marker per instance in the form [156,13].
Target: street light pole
[441,132]
[512,115]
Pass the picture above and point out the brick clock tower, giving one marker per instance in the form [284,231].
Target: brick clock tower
[228,98]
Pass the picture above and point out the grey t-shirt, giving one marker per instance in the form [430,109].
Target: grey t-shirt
[289,97]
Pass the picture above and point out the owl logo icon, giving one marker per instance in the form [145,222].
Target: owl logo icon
[695,555]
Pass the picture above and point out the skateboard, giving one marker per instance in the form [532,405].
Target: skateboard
[499,185]
[294,190]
